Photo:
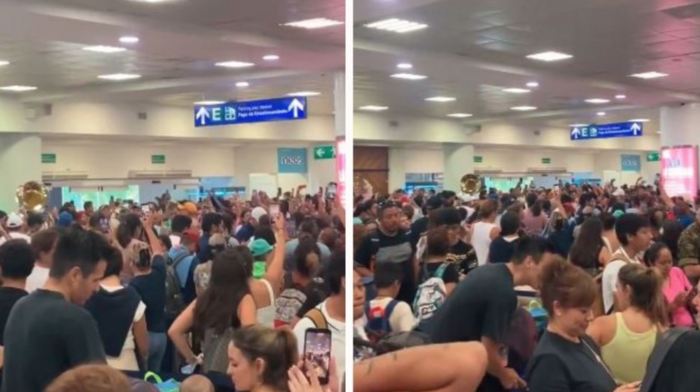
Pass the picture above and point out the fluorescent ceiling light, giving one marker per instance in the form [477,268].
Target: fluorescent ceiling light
[397,25]
[4,63]
[649,75]
[271,57]
[578,125]
[234,64]
[207,103]
[405,65]
[642,120]
[533,84]
[516,90]
[315,23]
[440,99]
[523,108]
[373,108]
[304,94]
[601,114]
[597,100]
[104,49]
[460,115]
[408,76]
[129,40]
[549,56]
[242,84]
[620,96]
[119,76]
[18,89]
[151,1]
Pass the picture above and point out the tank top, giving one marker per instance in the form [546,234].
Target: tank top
[266,315]
[627,354]
[481,241]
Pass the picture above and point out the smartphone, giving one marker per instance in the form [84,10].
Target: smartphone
[317,352]
[274,209]
[331,190]
[146,210]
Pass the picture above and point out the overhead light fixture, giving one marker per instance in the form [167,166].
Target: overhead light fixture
[620,96]
[408,76]
[104,49]
[209,103]
[642,120]
[18,89]
[578,125]
[396,25]
[516,90]
[234,64]
[600,114]
[460,115]
[242,84]
[597,101]
[533,84]
[304,94]
[129,40]
[649,75]
[271,57]
[374,108]
[151,1]
[441,99]
[523,108]
[4,63]
[119,77]
[315,23]
[404,65]
[550,56]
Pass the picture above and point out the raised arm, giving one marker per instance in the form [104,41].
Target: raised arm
[274,273]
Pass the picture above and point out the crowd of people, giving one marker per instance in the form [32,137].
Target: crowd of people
[567,289]
[216,293]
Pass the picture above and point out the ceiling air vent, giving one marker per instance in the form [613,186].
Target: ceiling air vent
[143,116]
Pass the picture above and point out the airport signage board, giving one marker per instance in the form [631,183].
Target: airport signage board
[604,131]
[679,171]
[158,159]
[653,157]
[292,160]
[48,158]
[546,161]
[478,159]
[234,113]
[324,152]
[631,163]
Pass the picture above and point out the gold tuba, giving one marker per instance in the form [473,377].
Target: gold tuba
[32,196]
[471,184]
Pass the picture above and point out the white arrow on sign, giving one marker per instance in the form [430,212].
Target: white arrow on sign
[202,115]
[296,106]
[635,128]
[320,153]
[575,133]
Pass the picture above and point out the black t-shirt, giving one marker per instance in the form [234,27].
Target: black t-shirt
[390,249]
[418,228]
[560,365]
[501,250]
[451,274]
[151,288]
[8,298]
[464,256]
[44,337]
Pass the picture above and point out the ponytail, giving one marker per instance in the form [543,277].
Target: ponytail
[646,291]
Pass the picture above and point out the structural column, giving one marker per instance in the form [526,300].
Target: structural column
[397,173]
[341,145]
[20,161]
[459,160]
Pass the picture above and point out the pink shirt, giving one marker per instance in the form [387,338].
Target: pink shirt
[678,283]
[534,225]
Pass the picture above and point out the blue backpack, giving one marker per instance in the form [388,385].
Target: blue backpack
[378,324]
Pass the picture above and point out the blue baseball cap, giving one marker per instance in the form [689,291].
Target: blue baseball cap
[260,247]
[64,219]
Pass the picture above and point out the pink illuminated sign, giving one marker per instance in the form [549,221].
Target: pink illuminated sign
[340,172]
[679,171]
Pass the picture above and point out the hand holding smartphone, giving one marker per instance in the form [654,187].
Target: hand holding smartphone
[317,353]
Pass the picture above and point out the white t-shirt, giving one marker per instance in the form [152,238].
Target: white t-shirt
[401,319]
[37,278]
[337,335]
[16,236]
[127,360]
[175,240]
[481,240]
[610,274]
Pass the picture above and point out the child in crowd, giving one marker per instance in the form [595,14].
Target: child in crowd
[384,313]
[196,383]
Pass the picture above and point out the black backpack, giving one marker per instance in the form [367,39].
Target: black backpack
[660,356]
[174,301]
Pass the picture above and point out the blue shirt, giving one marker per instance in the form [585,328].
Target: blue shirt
[185,273]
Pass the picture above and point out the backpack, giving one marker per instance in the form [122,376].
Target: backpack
[431,294]
[174,302]
[378,320]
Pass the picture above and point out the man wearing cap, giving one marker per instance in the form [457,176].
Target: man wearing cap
[15,229]
[184,258]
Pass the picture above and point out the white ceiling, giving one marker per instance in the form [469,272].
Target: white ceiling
[180,41]
[474,49]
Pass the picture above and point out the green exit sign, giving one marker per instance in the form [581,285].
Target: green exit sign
[478,159]
[653,157]
[48,158]
[546,161]
[324,152]
[158,159]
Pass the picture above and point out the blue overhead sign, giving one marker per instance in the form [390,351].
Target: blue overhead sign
[232,113]
[603,131]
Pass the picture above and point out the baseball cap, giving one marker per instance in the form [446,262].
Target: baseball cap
[434,203]
[191,235]
[64,219]
[14,221]
[260,247]
[257,213]
[188,207]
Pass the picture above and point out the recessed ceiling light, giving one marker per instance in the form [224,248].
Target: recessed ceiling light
[315,23]
[649,75]
[151,1]
[597,100]
[129,40]
[533,84]
[397,25]
[642,120]
[405,65]
[440,99]
[242,84]
[18,89]
[516,90]
[550,56]
[104,49]
[408,76]
[207,103]
[373,108]
[271,57]
[601,114]
[460,115]
[119,76]
[523,108]
[578,125]
[304,94]
[620,96]
[234,64]
[4,63]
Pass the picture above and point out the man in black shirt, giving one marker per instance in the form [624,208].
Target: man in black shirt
[461,254]
[482,306]
[16,263]
[48,332]
[420,226]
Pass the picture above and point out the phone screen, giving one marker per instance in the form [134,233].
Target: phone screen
[317,352]
[274,209]
[146,210]
[331,190]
